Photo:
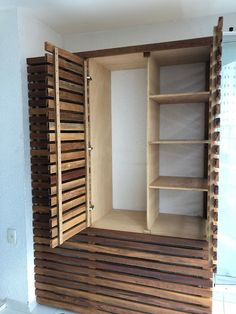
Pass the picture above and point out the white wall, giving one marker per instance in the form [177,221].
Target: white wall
[21,36]
[185,29]
[129,111]
[13,260]
[32,34]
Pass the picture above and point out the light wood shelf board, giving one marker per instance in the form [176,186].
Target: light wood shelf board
[196,97]
[181,226]
[180,142]
[123,220]
[179,183]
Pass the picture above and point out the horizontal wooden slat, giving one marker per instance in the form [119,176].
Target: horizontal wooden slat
[64,54]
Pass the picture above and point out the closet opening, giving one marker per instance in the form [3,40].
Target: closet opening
[118,123]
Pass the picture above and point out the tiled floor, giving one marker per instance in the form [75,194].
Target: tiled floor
[224,302]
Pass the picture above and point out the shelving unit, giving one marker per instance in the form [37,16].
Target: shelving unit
[158,221]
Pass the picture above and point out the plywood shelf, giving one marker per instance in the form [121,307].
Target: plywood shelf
[179,183]
[180,142]
[197,97]
[123,220]
[181,226]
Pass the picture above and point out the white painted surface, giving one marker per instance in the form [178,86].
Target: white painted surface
[83,16]
[129,139]
[32,35]
[13,261]
[159,32]
[21,36]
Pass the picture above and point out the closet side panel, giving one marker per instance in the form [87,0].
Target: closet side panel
[100,140]
[153,117]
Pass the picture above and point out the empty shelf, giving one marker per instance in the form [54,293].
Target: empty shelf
[123,220]
[180,142]
[179,183]
[181,98]
[179,226]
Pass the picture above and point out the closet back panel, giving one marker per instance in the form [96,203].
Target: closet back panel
[129,107]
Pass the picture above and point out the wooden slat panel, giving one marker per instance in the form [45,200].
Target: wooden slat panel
[65,89]
[78,268]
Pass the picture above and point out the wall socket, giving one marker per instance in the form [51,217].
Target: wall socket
[11,236]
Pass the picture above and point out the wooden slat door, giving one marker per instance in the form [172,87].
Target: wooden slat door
[57,111]
[214,137]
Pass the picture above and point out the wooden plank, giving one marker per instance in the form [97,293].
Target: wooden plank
[133,292]
[105,263]
[179,183]
[195,42]
[132,278]
[68,215]
[180,142]
[68,66]
[64,54]
[58,167]
[101,140]
[65,166]
[148,238]
[106,299]
[141,255]
[197,97]
[153,130]
[68,234]
[67,137]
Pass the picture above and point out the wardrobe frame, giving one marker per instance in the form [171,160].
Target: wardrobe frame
[91,270]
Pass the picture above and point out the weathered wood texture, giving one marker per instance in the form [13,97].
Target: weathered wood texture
[214,136]
[102,271]
[44,145]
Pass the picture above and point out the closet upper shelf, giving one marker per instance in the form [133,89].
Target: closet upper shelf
[197,97]
[179,183]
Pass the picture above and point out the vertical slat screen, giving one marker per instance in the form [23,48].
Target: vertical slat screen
[214,136]
[57,134]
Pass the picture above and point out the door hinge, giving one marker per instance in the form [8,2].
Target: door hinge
[91,207]
[89,78]
[90,148]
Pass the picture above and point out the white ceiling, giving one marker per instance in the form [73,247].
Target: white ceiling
[73,16]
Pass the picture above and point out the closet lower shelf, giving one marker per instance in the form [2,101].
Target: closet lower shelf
[170,225]
[180,226]
[123,220]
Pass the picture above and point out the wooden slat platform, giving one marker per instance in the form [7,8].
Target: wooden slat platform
[103,271]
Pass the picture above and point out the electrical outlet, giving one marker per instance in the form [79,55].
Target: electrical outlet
[11,236]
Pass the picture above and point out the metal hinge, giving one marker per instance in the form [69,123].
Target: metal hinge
[91,207]
[89,78]
[90,148]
